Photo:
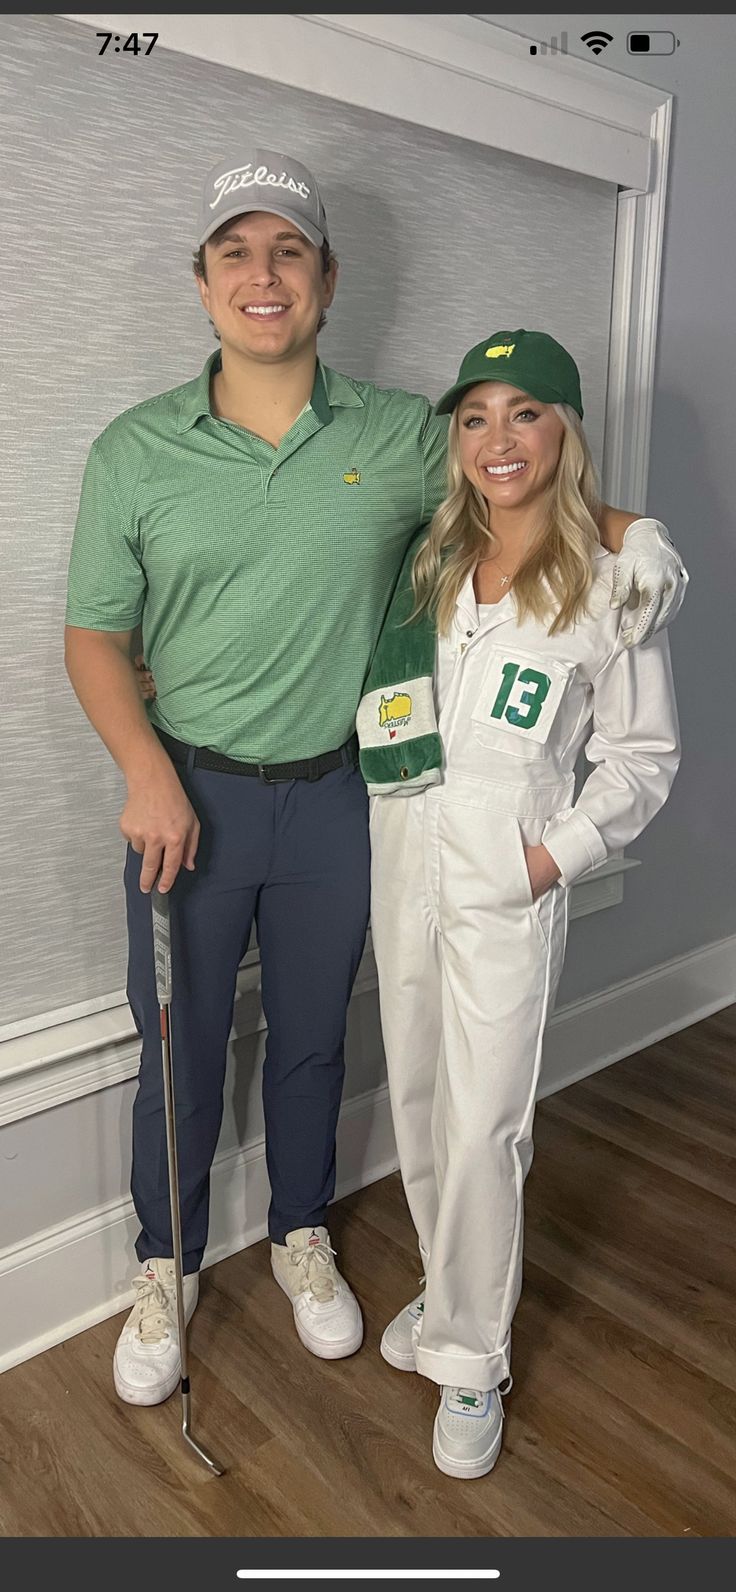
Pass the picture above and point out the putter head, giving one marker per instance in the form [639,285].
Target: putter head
[212,1464]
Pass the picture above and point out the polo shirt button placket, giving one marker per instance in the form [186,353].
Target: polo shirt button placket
[271,502]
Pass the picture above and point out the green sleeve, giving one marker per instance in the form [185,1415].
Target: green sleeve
[434,450]
[107,584]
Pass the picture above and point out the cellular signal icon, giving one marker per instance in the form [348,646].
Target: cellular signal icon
[552,47]
[596,41]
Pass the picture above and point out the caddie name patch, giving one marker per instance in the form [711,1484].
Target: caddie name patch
[521,694]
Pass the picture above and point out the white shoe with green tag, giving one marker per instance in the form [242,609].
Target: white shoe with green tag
[468,1431]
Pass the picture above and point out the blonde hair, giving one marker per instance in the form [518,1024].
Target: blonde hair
[554,578]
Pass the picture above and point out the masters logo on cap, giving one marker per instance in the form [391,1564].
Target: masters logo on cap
[260,179]
[500,351]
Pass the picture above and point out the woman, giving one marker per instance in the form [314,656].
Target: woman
[510,599]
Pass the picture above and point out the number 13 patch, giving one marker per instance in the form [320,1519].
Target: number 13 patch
[521,694]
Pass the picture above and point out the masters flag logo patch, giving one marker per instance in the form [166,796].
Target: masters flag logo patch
[394,712]
[352,477]
[500,351]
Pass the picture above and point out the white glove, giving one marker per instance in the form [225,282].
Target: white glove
[649,577]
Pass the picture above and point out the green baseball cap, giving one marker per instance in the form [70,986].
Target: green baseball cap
[532,361]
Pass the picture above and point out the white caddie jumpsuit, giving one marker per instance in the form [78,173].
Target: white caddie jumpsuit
[468,964]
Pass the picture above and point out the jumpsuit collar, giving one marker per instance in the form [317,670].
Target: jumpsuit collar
[466,612]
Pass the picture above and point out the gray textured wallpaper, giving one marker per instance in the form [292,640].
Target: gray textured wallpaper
[440,241]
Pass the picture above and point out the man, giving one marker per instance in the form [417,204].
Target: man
[253,521]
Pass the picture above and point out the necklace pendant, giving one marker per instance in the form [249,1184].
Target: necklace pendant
[505,580]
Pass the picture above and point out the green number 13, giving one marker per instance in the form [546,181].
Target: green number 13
[526,715]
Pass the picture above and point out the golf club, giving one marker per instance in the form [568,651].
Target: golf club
[162,958]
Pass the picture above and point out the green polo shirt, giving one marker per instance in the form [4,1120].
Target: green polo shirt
[260,575]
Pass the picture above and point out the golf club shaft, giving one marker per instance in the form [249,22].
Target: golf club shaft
[162,959]
[173,1161]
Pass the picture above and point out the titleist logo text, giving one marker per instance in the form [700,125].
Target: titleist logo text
[246,177]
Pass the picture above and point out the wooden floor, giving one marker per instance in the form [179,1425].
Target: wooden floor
[622,1421]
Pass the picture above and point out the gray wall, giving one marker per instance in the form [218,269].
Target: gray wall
[439,240]
[685,895]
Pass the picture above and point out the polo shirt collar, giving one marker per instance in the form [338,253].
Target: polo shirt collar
[331,391]
[336,389]
[195,400]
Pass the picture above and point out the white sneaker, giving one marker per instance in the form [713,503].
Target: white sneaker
[146,1367]
[326,1312]
[468,1431]
[399,1340]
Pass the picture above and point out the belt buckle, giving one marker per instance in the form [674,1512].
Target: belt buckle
[263,776]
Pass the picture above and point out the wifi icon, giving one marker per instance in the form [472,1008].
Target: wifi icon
[596,41]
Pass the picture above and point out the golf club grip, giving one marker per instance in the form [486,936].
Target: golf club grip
[161,944]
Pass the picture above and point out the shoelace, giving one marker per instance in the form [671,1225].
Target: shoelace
[153,1304]
[313,1257]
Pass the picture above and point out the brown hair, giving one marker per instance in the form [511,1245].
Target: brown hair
[199,266]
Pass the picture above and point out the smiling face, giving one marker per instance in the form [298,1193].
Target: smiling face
[266,287]
[509,443]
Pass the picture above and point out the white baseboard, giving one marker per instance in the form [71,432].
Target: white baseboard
[590,1034]
[73,1275]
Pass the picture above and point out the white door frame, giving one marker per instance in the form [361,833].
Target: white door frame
[467,77]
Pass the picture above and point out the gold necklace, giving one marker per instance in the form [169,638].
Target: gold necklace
[504,578]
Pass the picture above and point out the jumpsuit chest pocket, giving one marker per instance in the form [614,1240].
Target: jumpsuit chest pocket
[519,700]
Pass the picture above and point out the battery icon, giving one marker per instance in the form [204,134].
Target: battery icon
[658,43]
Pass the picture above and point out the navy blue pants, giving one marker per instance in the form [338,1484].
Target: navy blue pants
[296,857]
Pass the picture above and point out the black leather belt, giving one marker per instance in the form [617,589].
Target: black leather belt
[271,773]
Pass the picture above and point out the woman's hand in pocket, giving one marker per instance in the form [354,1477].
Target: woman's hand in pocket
[542,870]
